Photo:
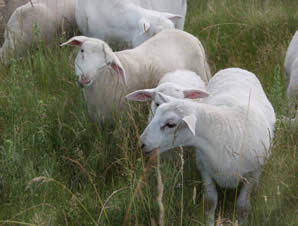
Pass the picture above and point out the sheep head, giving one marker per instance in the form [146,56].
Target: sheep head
[172,125]
[152,23]
[94,58]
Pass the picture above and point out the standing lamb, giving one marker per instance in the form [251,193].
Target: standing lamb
[48,16]
[232,131]
[291,67]
[178,84]
[106,75]
[128,22]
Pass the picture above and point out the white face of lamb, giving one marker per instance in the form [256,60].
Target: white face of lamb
[89,63]
[166,130]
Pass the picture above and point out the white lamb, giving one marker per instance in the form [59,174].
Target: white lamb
[178,84]
[291,66]
[106,75]
[232,131]
[128,22]
[48,16]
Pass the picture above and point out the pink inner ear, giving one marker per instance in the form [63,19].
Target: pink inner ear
[75,43]
[192,95]
[118,70]
[140,96]
[143,96]
[195,94]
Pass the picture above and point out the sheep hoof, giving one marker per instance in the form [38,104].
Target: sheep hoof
[242,213]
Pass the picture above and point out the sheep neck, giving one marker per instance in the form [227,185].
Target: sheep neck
[139,75]
[105,91]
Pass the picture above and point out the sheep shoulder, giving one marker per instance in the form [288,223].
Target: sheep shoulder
[237,86]
[229,140]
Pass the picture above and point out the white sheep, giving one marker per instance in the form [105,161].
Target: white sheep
[106,75]
[7,7]
[232,131]
[291,67]
[178,84]
[128,22]
[48,16]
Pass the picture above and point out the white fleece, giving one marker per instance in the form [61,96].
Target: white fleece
[106,75]
[232,131]
[128,22]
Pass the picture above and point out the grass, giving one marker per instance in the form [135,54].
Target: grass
[59,168]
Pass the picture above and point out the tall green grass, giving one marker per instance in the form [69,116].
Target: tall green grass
[59,168]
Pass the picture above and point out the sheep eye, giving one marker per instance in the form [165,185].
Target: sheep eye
[170,125]
[82,50]
[157,104]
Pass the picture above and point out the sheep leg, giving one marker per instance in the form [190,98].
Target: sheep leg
[243,201]
[210,193]
[211,197]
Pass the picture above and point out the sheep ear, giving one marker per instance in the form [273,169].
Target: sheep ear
[75,41]
[117,67]
[191,121]
[144,26]
[164,98]
[195,93]
[141,95]
[173,17]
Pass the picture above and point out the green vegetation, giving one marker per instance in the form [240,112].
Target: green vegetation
[59,168]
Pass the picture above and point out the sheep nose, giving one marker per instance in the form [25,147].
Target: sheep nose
[84,80]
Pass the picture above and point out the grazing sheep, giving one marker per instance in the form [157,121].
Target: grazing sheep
[232,131]
[291,67]
[48,16]
[7,7]
[106,75]
[128,22]
[176,84]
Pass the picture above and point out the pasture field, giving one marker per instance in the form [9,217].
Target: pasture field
[59,168]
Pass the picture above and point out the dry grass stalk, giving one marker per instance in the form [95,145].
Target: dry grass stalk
[181,171]
[224,221]
[160,188]
[138,187]
[91,181]
[153,223]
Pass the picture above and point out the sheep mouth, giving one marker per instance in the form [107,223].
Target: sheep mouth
[147,153]
[84,82]
[151,153]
